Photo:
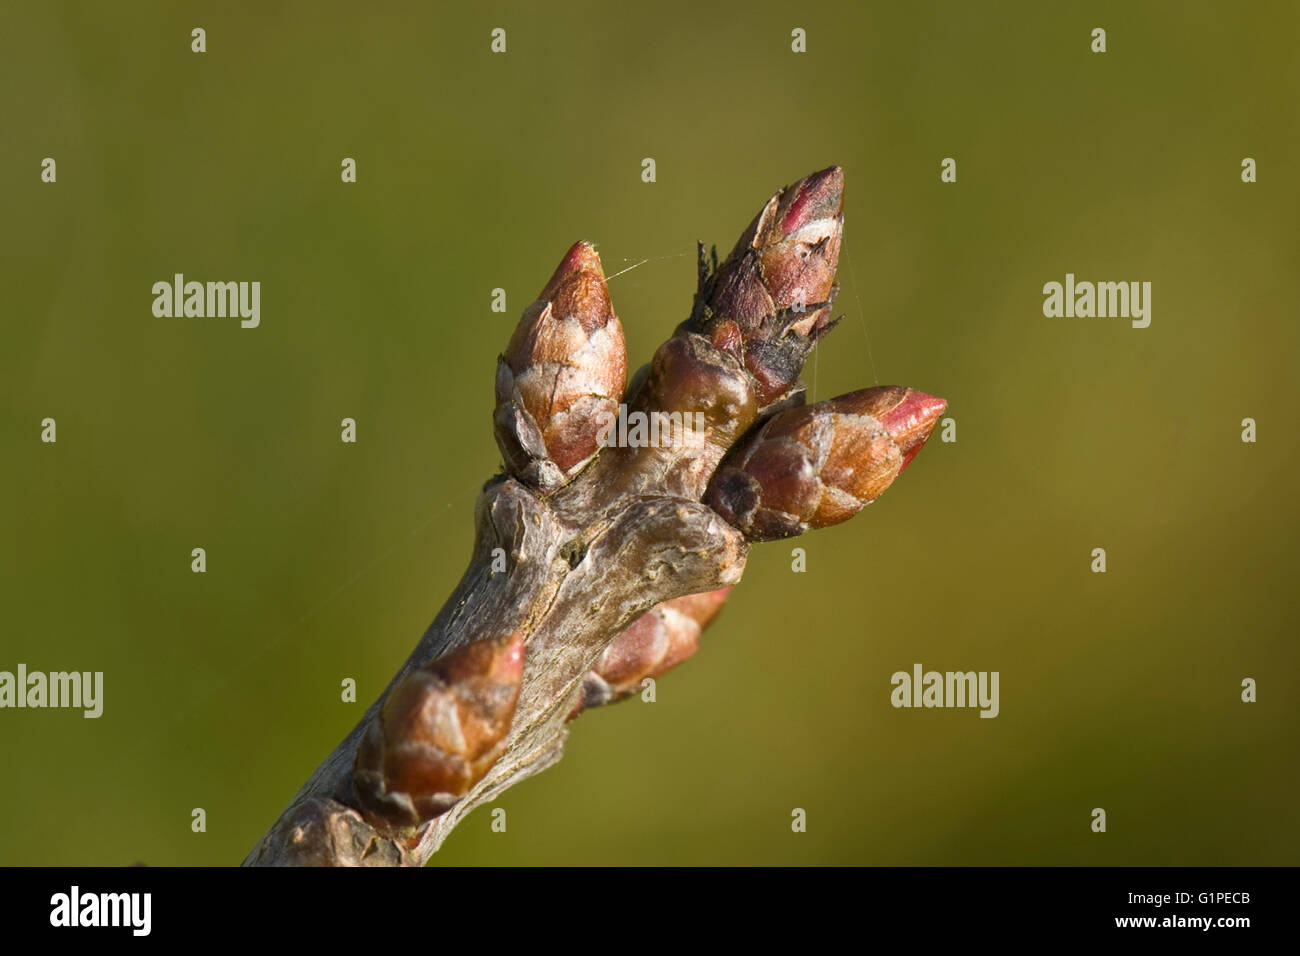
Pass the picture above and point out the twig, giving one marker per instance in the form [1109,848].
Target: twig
[600,558]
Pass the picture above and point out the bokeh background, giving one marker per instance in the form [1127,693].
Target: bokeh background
[476,171]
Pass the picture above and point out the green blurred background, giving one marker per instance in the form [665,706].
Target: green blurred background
[476,171]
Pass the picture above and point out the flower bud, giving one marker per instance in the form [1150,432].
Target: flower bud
[817,465]
[440,729]
[770,301]
[654,643]
[565,367]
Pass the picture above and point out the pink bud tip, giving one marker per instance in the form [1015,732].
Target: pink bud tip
[577,288]
[819,196]
[911,421]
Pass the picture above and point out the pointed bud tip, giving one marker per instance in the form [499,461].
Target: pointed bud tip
[582,257]
[911,421]
[819,196]
[577,288]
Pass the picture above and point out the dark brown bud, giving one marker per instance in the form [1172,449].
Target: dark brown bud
[714,397]
[565,367]
[438,732]
[818,465]
[771,299]
[654,643]
[700,401]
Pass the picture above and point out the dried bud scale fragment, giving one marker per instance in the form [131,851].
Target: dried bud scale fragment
[654,643]
[564,369]
[818,465]
[438,732]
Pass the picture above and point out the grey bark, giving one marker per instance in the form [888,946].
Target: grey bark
[579,570]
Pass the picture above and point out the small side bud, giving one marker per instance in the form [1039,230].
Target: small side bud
[654,643]
[564,370]
[439,732]
[689,375]
[818,465]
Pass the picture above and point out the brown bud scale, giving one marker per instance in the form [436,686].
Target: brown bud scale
[651,645]
[440,729]
[565,367]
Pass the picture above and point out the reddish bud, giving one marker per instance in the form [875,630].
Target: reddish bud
[911,421]
[817,465]
[770,301]
[440,729]
[654,643]
[566,364]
